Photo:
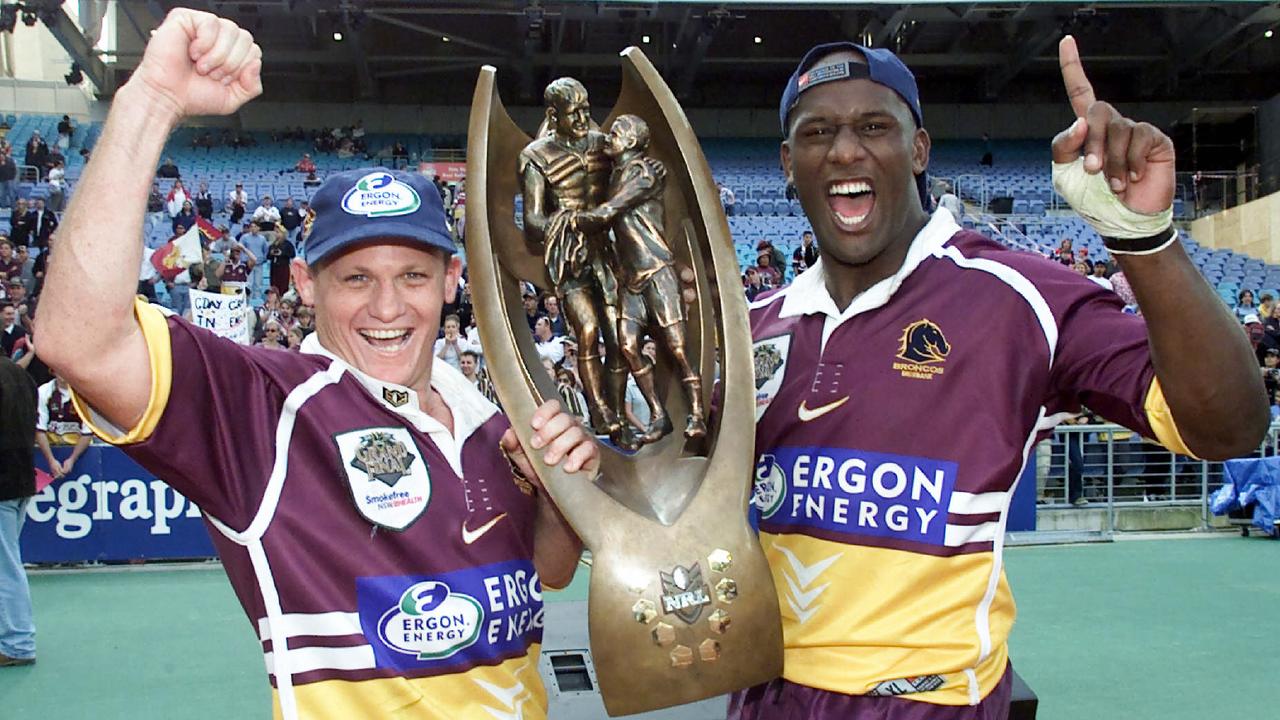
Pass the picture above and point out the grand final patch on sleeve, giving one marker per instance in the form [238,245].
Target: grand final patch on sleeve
[473,616]
[770,359]
[389,480]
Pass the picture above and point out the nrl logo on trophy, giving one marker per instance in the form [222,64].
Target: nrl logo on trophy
[622,221]
[684,593]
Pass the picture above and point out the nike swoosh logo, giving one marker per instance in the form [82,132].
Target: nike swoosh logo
[806,414]
[470,536]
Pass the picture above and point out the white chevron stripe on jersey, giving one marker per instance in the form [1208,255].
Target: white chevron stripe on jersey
[512,699]
[800,597]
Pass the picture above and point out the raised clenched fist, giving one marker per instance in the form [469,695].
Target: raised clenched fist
[199,64]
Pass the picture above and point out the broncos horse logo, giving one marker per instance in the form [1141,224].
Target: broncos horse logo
[922,342]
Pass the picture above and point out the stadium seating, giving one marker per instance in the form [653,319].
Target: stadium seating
[1039,221]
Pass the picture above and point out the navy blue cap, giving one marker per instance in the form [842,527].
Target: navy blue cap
[881,66]
[376,203]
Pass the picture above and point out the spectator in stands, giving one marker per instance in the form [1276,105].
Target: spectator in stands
[155,200]
[753,285]
[806,255]
[459,304]
[296,336]
[10,267]
[1082,267]
[769,274]
[8,180]
[1064,253]
[548,345]
[20,227]
[37,154]
[311,180]
[727,199]
[951,202]
[270,306]
[305,164]
[1271,371]
[204,201]
[58,424]
[17,485]
[28,264]
[186,217]
[235,269]
[469,364]
[529,296]
[287,314]
[168,170]
[176,197]
[256,242]
[11,329]
[452,344]
[1099,275]
[1244,304]
[1271,326]
[1252,326]
[16,293]
[552,305]
[279,254]
[237,203]
[267,215]
[290,218]
[273,336]
[57,185]
[65,129]
[306,319]
[43,223]
[1266,304]
[777,259]
[569,388]
[988,156]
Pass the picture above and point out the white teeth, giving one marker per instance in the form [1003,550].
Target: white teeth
[383,334]
[850,220]
[849,188]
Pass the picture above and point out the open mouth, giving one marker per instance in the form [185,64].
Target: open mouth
[387,341]
[851,202]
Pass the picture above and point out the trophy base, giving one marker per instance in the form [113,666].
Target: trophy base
[568,672]
[679,617]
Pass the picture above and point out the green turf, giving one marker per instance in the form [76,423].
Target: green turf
[1142,630]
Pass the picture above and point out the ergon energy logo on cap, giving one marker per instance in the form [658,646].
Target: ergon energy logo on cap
[379,194]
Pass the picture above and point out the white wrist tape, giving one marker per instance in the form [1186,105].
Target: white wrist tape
[1091,197]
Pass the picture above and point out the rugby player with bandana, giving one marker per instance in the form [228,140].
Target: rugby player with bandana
[359,494]
[903,380]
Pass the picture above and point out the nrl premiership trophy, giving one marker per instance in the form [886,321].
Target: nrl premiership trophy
[623,221]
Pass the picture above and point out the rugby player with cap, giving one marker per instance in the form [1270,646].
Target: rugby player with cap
[358,493]
[903,380]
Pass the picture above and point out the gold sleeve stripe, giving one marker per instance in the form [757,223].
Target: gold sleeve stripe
[1161,420]
[155,330]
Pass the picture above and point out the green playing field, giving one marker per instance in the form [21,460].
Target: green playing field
[1141,630]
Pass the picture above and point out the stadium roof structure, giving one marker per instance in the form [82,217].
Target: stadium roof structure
[734,54]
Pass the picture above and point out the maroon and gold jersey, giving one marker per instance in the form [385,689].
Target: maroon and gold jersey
[56,416]
[385,563]
[890,437]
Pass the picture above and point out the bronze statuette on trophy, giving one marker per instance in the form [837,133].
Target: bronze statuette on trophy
[623,222]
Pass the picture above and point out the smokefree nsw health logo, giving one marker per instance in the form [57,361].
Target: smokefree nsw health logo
[380,194]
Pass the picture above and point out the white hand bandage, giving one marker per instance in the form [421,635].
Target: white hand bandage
[1091,197]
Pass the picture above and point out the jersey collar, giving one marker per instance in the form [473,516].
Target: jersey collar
[469,407]
[808,294]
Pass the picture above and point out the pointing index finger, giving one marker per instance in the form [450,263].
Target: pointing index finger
[1079,91]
